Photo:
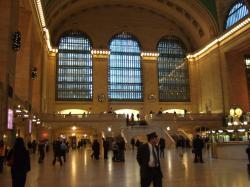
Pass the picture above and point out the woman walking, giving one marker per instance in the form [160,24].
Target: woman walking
[19,161]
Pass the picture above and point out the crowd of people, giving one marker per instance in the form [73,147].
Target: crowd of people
[148,154]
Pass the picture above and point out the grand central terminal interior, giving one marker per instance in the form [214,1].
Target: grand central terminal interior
[81,71]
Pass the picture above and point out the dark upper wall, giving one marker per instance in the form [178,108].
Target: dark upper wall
[211,6]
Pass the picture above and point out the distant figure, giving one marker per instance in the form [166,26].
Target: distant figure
[63,150]
[132,142]
[127,119]
[149,162]
[197,149]
[57,152]
[115,149]
[29,144]
[2,155]
[248,152]
[138,116]
[110,111]
[162,147]
[121,149]
[132,117]
[105,144]
[19,161]
[34,145]
[41,151]
[96,149]
[160,111]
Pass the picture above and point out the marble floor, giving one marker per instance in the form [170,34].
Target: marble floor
[80,170]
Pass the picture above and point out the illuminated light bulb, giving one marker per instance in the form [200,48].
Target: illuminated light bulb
[241,130]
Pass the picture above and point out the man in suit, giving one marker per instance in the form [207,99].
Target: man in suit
[148,159]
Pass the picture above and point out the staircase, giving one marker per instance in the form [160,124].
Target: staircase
[129,132]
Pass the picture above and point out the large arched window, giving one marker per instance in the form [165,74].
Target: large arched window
[74,68]
[172,71]
[237,11]
[125,78]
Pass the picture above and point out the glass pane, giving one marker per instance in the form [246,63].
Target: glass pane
[125,78]
[172,71]
[74,68]
[237,12]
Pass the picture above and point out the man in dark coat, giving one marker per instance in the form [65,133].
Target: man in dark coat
[148,159]
[105,148]
[198,144]
[96,149]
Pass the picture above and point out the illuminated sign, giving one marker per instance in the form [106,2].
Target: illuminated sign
[10,119]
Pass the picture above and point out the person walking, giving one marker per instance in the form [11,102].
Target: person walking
[41,151]
[57,152]
[248,152]
[63,150]
[19,161]
[132,142]
[105,144]
[96,149]
[162,147]
[2,155]
[149,162]
[198,144]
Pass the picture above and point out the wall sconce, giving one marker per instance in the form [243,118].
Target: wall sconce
[101,97]
[33,73]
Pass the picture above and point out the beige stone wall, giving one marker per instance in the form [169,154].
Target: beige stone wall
[210,83]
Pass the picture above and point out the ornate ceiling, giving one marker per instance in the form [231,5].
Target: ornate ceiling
[190,20]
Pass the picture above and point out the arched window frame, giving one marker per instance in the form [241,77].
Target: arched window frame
[135,91]
[78,82]
[175,90]
[233,12]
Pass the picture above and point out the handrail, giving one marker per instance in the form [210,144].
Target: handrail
[82,117]
[184,117]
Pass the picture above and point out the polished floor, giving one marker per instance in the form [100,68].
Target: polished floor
[80,170]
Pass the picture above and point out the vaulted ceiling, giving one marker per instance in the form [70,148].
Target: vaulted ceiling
[189,20]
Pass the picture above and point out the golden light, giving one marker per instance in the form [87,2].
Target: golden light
[177,111]
[231,112]
[73,111]
[74,128]
[220,40]
[128,112]
[238,112]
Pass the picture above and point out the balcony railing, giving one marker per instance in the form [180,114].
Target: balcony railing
[184,117]
[82,117]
